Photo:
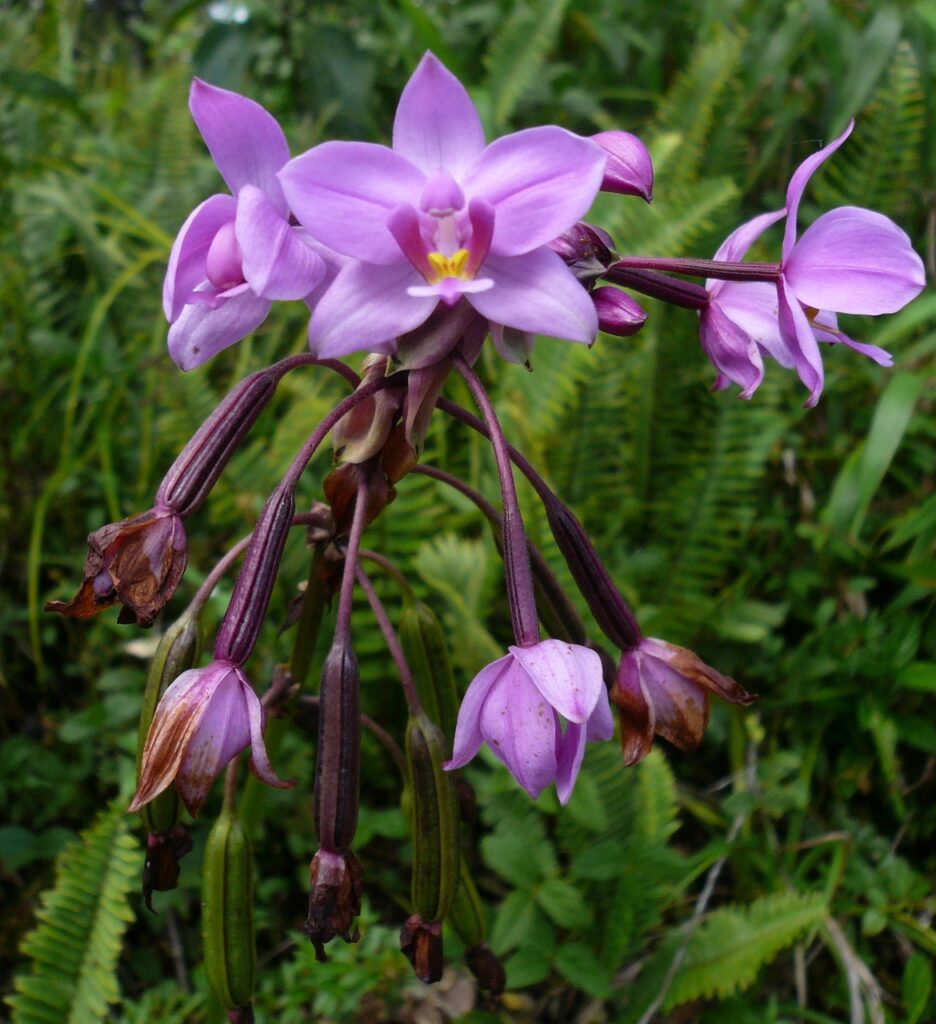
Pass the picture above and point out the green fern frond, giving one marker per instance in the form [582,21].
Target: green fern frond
[75,947]
[732,944]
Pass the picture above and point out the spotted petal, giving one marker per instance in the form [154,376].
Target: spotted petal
[202,332]
[567,675]
[468,737]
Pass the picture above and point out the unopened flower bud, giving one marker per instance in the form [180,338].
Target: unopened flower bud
[338,759]
[587,250]
[618,313]
[138,562]
[251,597]
[602,596]
[203,459]
[421,944]
[336,885]
[629,170]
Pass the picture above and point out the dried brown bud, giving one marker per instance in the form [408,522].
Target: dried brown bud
[421,944]
[487,968]
[336,885]
[161,867]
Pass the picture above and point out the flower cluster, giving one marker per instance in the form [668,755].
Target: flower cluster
[415,254]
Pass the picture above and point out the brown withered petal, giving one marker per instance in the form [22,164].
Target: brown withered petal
[361,433]
[487,968]
[398,456]
[421,944]
[138,562]
[636,718]
[336,885]
[164,850]
[341,487]
[689,665]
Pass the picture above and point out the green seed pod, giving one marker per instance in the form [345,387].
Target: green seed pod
[434,821]
[423,641]
[227,912]
[177,653]
[466,915]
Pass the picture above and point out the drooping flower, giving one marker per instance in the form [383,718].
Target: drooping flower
[663,689]
[204,719]
[235,253]
[441,217]
[138,562]
[849,260]
[515,703]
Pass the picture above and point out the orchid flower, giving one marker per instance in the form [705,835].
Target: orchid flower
[850,260]
[515,703]
[235,253]
[203,721]
[441,217]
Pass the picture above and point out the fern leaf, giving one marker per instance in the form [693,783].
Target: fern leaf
[732,944]
[76,945]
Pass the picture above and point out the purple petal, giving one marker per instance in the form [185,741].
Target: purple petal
[825,327]
[734,247]
[798,183]
[540,182]
[799,339]
[202,332]
[468,738]
[752,306]
[730,350]
[186,269]
[259,759]
[567,675]
[244,140]
[601,724]
[569,755]
[277,263]
[618,313]
[629,170]
[520,728]
[537,292]
[854,261]
[343,192]
[222,733]
[367,305]
[436,124]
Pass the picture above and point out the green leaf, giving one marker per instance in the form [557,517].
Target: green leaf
[563,903]
[917,986]
[515,920]
[75,947]
[526,967]
[519,854]
[732,944]
[579,966]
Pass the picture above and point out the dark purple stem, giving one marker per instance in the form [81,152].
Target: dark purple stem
[392,641]
[659,286]
[345,601]
[723,270]
[520,594]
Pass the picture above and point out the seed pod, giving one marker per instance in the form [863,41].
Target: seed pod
[466,915]
[177,653]
[227,912]
[434,819]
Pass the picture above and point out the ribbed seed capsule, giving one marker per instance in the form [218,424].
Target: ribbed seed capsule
[436,855]
[466,914]
[227,912]
[177,653]
[426,651]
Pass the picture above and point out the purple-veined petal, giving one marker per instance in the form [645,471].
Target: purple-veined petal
[629,170]
[343,193]
[798,183]
[259,759]
[567,675]
[222,733]
[853,260]
[536,292]
[468,737]
[276,262]
[436,124]
[736,245]
[799,339]
[186,268]
[367,305]
[752,306]
[730,350]
[202,332]
[245,141]
[540,182]
[569,755]
[519,726]
[601,724]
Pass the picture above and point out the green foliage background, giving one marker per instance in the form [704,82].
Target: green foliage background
[794,551]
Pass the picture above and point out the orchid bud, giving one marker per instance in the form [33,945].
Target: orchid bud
[336,885]
[629,170]
[587,250]
[618,313]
